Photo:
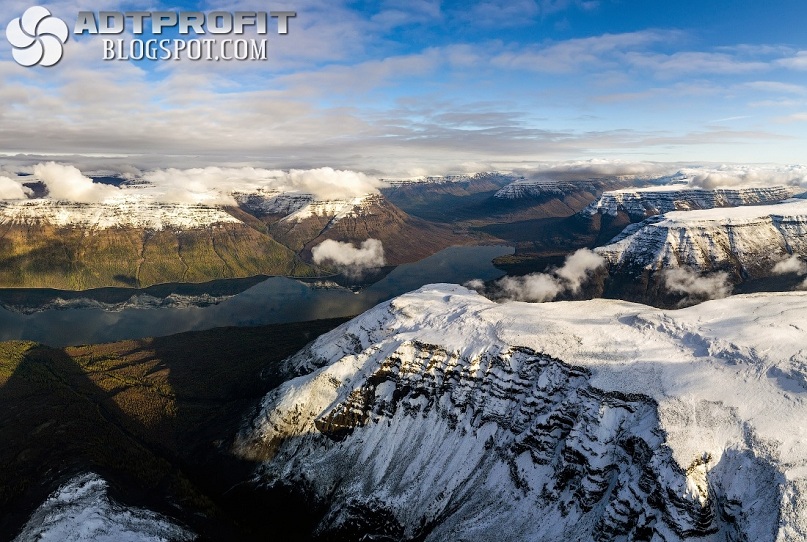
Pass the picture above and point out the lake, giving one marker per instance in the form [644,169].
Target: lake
[270,301]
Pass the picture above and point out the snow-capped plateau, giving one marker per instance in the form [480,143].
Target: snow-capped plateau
[643,202]
[524,188]
[434,179]
[442,415]
[750,239]
[81,511]
[271,201]
[336,209]
[546,187]
[129,212]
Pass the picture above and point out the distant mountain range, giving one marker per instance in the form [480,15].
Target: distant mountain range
[134,241]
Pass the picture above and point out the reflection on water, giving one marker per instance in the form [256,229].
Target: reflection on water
[273,300]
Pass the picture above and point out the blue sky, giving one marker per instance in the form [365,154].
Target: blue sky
[424,86]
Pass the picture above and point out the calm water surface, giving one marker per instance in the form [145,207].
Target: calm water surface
[275,300]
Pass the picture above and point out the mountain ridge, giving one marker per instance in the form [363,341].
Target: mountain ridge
[441,415]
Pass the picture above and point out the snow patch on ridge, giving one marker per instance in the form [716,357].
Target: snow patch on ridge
[81,511]
[335,209]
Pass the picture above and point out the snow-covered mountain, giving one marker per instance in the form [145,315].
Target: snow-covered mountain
[547,187]
[82,511]
[335,209]
[432,179]
[129,212]
[544,188]
[442,415]
[271,202]
[296,207]
[639,203]
[749,240]
[132,240]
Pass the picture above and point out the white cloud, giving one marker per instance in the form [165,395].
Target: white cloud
[577,267]
[328,183]
[688,62]
[695,286]
[778,87]
[571,55]
[11,189]
[540,287]
[534,288]
[214,185]
[585,169]
[797,61]
[744,175]
[792,265]
[795,117]
[68,183]
[350,259]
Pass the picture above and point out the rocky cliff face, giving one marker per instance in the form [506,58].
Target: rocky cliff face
[444,416]
[272,202]
[747,241]
[644,202]
[536,189]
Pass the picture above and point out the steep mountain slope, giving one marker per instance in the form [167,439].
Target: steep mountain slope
[643,202]
[544,188]
[405,238]
[444,199]
[441,415]
[616,209]
[747,241]
[75,246]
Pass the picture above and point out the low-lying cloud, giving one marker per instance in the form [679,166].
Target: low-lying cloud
[747,176]
[540,287]
[69,184]
[595,168]
[695,286]
[11,189]
[347,258]
[204,186]
[792,265]
[215,185]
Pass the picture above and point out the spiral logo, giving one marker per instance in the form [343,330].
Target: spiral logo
[37,37]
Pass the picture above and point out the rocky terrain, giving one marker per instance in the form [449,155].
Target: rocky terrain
[643,202]
[443,415]
[543,188]
[746,241]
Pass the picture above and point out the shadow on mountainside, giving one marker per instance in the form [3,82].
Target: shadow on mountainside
[154,417]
